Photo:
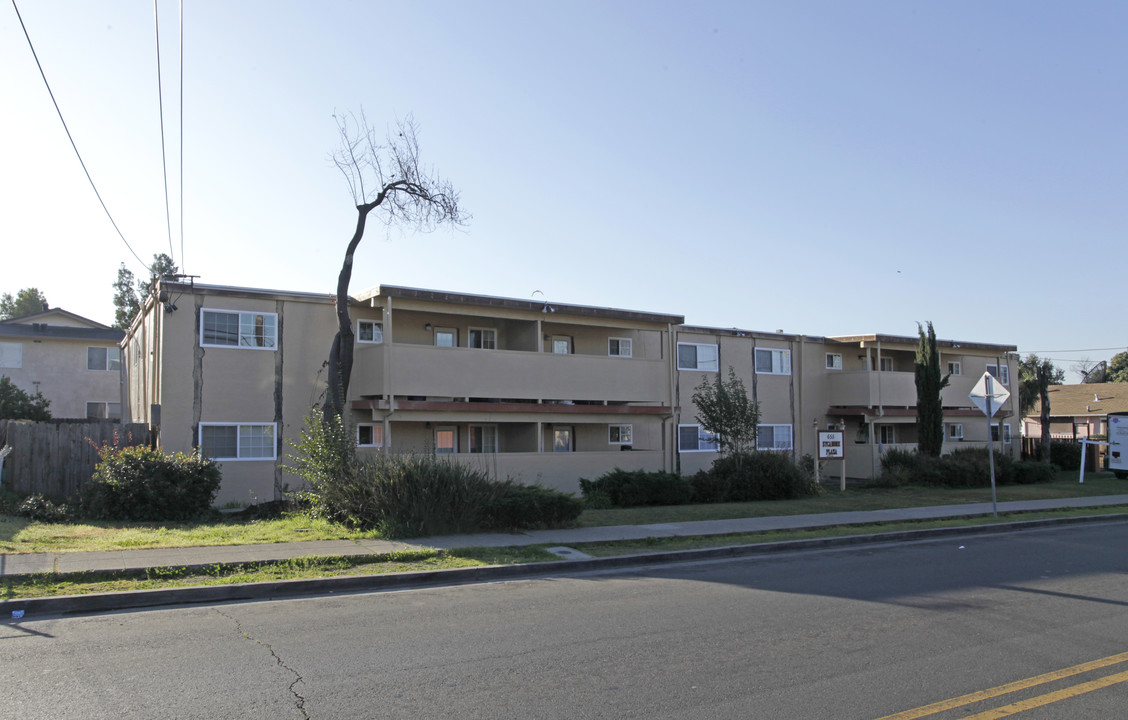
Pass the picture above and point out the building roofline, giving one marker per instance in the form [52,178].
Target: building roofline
[545,306]
[32,319]
[907,340]
[39,331]
[173,286]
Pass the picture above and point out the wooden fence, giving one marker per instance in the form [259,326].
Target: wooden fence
[57,457]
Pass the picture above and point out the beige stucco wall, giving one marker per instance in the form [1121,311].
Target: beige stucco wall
[59,368]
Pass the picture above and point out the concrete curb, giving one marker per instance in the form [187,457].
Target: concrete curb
[138,599]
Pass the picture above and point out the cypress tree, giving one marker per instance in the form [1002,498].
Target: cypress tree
[929,383]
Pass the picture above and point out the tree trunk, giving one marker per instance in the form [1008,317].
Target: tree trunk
[341,351]
[1044,418]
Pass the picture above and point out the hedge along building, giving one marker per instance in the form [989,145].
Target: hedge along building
[536,391]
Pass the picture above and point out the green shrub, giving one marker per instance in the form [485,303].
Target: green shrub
[746,477]
[966,467]
[37,507]
[413,495]
[634,488]
[531,506]
[141,484]
[1027,472]
[1066,454]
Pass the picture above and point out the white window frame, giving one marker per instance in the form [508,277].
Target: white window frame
[884,361]
[377,434]
[1006,434]
[271,336]
[629,434]
[999,372]
[955,431]
[8,351]
[239,442]
[715,362]
[780,361]
[954,367]
[566,340]
[704,438]
[886,427]
[834,361]
[775,442]
[619,347]
[377,332]
[104,413]
[485,332]
[112,358]
[486,429]
[453,332]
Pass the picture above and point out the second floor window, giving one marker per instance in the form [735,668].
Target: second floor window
[225,328]
[697,356]
[773,362]
[103,358]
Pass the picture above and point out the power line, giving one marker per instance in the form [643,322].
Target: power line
[160,104]
[183,266]
[1073,351]
[73,145]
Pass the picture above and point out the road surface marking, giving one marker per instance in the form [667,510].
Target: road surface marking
[975,697]
[1056,696]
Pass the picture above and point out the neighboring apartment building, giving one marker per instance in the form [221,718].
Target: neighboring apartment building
[75,362]
[537,391]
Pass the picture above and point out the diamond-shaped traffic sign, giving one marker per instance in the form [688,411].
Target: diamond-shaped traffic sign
[988,388]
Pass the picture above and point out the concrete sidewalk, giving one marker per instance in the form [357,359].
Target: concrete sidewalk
[23,564]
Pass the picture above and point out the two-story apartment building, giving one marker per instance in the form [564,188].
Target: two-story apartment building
[530,390]
[74,361]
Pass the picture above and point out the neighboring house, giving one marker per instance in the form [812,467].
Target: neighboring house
[1078,411]
[536,391]
[75,362]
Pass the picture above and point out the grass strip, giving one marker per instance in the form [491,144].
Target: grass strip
[303,568]
[51,584]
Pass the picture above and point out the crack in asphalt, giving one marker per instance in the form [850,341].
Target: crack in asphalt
[299,700]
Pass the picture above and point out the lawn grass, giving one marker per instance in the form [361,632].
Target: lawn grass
[20,535]
[51,584]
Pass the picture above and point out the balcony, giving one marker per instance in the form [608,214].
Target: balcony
[421,370]
[871,389]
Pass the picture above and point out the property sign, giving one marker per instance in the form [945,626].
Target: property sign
[988,388]
[1118,441]
[830,444]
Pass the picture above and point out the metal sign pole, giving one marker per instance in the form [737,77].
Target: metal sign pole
[991,450]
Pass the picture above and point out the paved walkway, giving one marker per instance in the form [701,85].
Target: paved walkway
[21,564]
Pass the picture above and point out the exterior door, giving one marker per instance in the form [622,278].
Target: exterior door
[446,440]
[561,439]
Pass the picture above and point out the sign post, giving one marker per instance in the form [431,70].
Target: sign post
[988,395]
[830,446]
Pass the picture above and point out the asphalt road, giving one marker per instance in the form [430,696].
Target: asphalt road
[854,633]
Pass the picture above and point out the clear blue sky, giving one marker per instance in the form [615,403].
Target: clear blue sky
[818,167]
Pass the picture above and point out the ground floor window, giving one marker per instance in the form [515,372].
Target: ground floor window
[773,437]
[483,438]
[562,439]
[620,434]
[1006,433]
[887,434]
[694,438]
[238,441]
[446,440]
[955,431]
[369,435]
[103,410]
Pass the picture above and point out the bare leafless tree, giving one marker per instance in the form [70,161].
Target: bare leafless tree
[385,176]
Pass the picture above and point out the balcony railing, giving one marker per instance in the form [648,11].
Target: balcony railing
[421,370]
